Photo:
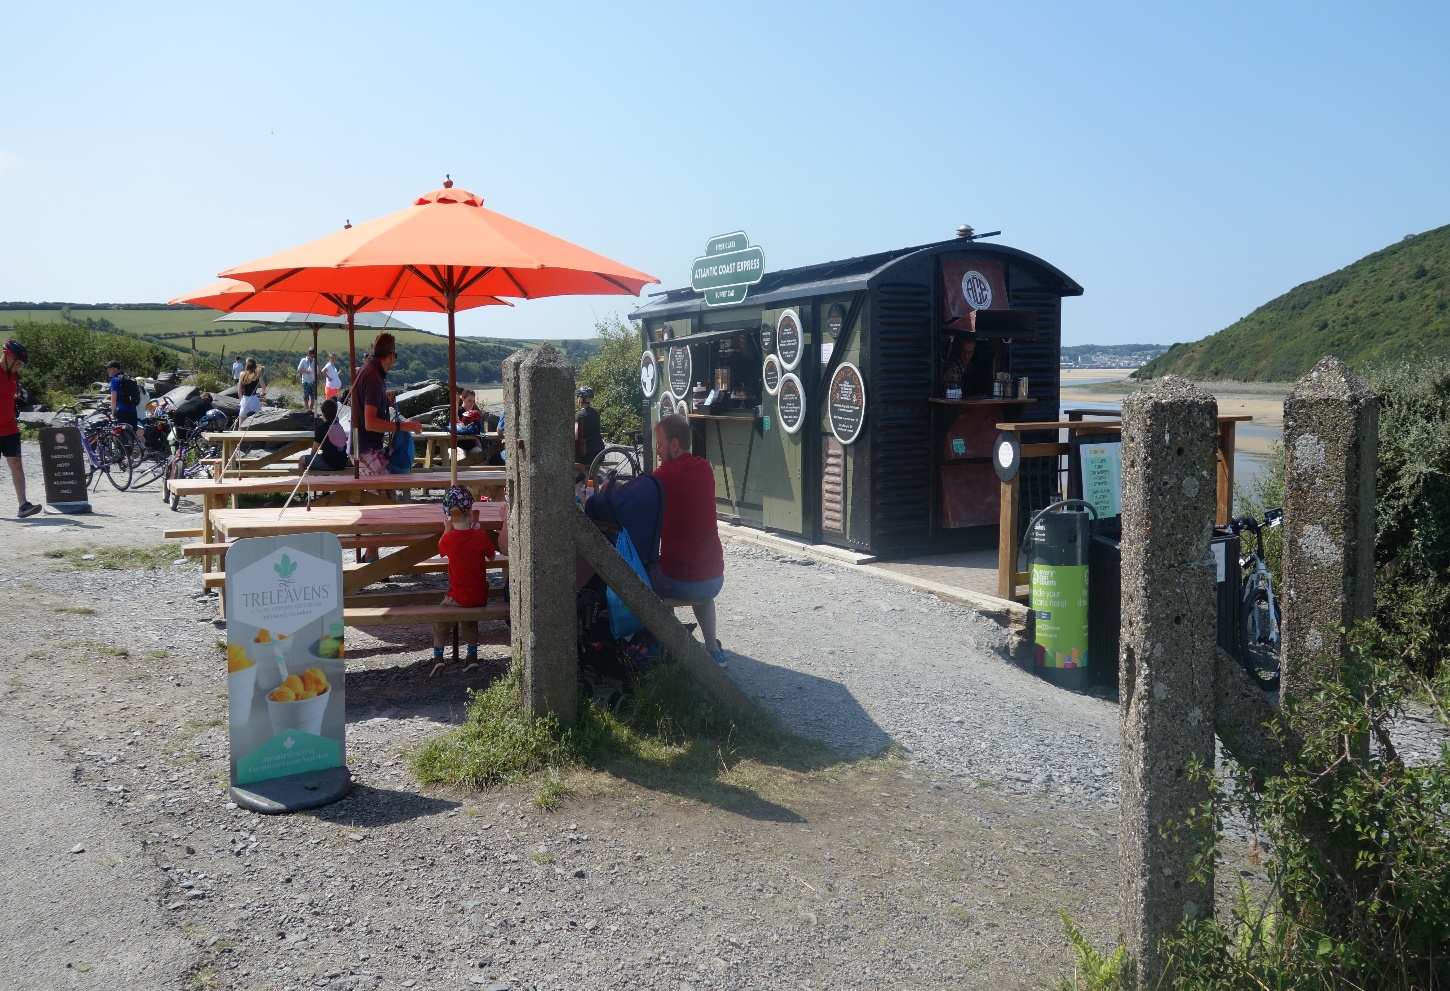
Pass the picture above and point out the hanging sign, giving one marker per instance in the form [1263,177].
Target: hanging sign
[770,373]
[788,339]
[846,403]
[727,270]
[680,370]
[791,402]
[285,672]
[1102,477]
[767,338]
[649,373]
[63,463]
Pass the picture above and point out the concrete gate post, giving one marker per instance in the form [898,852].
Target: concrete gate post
[1169,660]
[539,433]
[1331,437]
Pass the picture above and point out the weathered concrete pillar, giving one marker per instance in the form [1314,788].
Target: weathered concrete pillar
[1331,437]
[538,390]
[1169,660]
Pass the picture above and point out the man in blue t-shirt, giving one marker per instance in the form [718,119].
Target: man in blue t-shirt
[123,394]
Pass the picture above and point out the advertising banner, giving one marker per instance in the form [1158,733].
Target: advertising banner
[286,671]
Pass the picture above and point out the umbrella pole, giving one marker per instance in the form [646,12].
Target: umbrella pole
[352,392]
[452,395]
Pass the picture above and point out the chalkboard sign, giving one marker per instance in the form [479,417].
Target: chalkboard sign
[791,401]
[846,403]
[63,462]
[835,319]
[788,339]
[770,373]
[667,404]
[681,370]
[767,339]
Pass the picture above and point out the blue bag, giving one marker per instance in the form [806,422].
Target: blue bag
[622,622]
[400,462]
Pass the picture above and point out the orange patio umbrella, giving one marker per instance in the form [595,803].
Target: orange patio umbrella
[444,253]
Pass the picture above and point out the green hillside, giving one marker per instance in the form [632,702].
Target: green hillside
[1393,304]
[421,354]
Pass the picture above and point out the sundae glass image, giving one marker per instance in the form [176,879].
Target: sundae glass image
[241,683]
[299,702]
[271,649]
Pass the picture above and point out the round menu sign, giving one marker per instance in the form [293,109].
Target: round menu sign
[682,407]
[770,373]
[649,374]
[788,339]
[681,370]
[667,404]
[791,401]
[846,402]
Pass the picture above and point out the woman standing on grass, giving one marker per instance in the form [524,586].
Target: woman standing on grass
[251,387]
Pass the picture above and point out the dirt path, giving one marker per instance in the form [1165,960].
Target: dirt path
[920,871]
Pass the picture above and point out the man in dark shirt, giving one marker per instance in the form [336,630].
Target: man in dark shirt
[588,440]
[370,407]
[123,410]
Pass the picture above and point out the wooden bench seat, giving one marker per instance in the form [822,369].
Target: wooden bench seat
[433,565]
[417,615]
[186,533]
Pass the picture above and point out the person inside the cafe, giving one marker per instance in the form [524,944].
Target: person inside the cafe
[371,397]
[691,564]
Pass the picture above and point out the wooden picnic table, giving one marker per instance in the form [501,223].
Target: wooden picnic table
[417,527]
[436,443]
[1010,581]
[217,493]
[289,442]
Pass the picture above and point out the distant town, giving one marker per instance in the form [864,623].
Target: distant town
[1110,355]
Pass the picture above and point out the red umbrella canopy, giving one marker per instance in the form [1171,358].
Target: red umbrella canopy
[446,246]
[234,296]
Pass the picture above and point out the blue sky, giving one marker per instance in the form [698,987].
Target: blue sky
[1185,164]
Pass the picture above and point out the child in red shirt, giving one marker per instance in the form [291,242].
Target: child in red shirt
[467,548]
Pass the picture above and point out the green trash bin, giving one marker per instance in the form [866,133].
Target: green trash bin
[1058,543]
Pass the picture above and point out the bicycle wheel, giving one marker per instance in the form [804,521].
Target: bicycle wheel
[114,461]
[1260,654]
[621,462]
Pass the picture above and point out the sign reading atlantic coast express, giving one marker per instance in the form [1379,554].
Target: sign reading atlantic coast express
[727,270]
[285,671]
[846,402]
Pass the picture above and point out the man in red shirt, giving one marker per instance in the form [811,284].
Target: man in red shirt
[12,360]
[691,564]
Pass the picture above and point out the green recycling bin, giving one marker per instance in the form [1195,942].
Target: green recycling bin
[1059,545]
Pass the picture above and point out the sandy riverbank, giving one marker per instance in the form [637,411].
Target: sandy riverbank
[1264,401]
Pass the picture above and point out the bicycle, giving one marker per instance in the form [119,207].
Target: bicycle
[191,455]
[101,441]
[1259,602]
[148,448]
[617,461]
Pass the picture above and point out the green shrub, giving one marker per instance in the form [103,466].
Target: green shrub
[613,373]
[69,357]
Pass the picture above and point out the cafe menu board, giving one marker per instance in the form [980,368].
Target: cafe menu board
[790,400]
[770,372]
[788,341]
[767,339]
[835,320]
[680,370]
[63,462]
[1102,477]
[846,402]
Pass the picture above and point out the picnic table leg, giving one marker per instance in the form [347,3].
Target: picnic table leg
[397,562]
[428,453]
[206,532]
[1226,431]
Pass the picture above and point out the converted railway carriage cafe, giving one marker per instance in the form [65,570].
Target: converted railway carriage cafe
[855,402]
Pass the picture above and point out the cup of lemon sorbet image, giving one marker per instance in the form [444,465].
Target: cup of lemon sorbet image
[241,683]
[299,702]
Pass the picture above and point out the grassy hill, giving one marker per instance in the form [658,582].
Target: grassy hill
[422,354]
[1393,304]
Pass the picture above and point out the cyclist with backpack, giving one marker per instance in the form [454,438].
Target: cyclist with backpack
[12,359]
[125,394]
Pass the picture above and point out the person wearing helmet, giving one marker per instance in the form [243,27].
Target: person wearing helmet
[588,439]
[14,358]
[467,548]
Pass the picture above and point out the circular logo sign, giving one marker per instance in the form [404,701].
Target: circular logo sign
[649,374]
[835,319]
[770,373]
[1007,455]
[788,339]
[681,370]
[667,404]
[846,402]
[682,407]
[976,290]
[790,400]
